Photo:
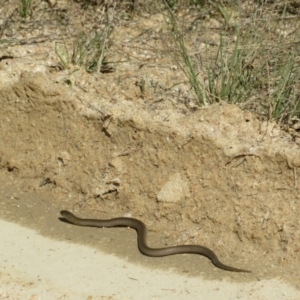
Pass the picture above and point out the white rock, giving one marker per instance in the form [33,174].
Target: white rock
[174,190]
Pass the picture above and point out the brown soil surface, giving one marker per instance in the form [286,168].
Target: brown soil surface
[102,147]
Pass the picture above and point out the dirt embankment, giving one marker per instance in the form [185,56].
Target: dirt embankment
[216,177]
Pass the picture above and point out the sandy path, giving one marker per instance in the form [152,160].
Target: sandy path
[36,267]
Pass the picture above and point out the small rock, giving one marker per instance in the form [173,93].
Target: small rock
[174,190]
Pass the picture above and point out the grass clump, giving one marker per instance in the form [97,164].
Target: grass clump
[284,95]
[254,65]
[24,8]
[183,58]
[231,78]
[86,51]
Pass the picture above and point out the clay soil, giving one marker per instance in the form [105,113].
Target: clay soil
[104,145]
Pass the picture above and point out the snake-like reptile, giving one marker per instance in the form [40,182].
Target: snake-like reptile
[141,229]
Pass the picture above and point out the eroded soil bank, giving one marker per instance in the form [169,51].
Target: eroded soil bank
[217,177]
